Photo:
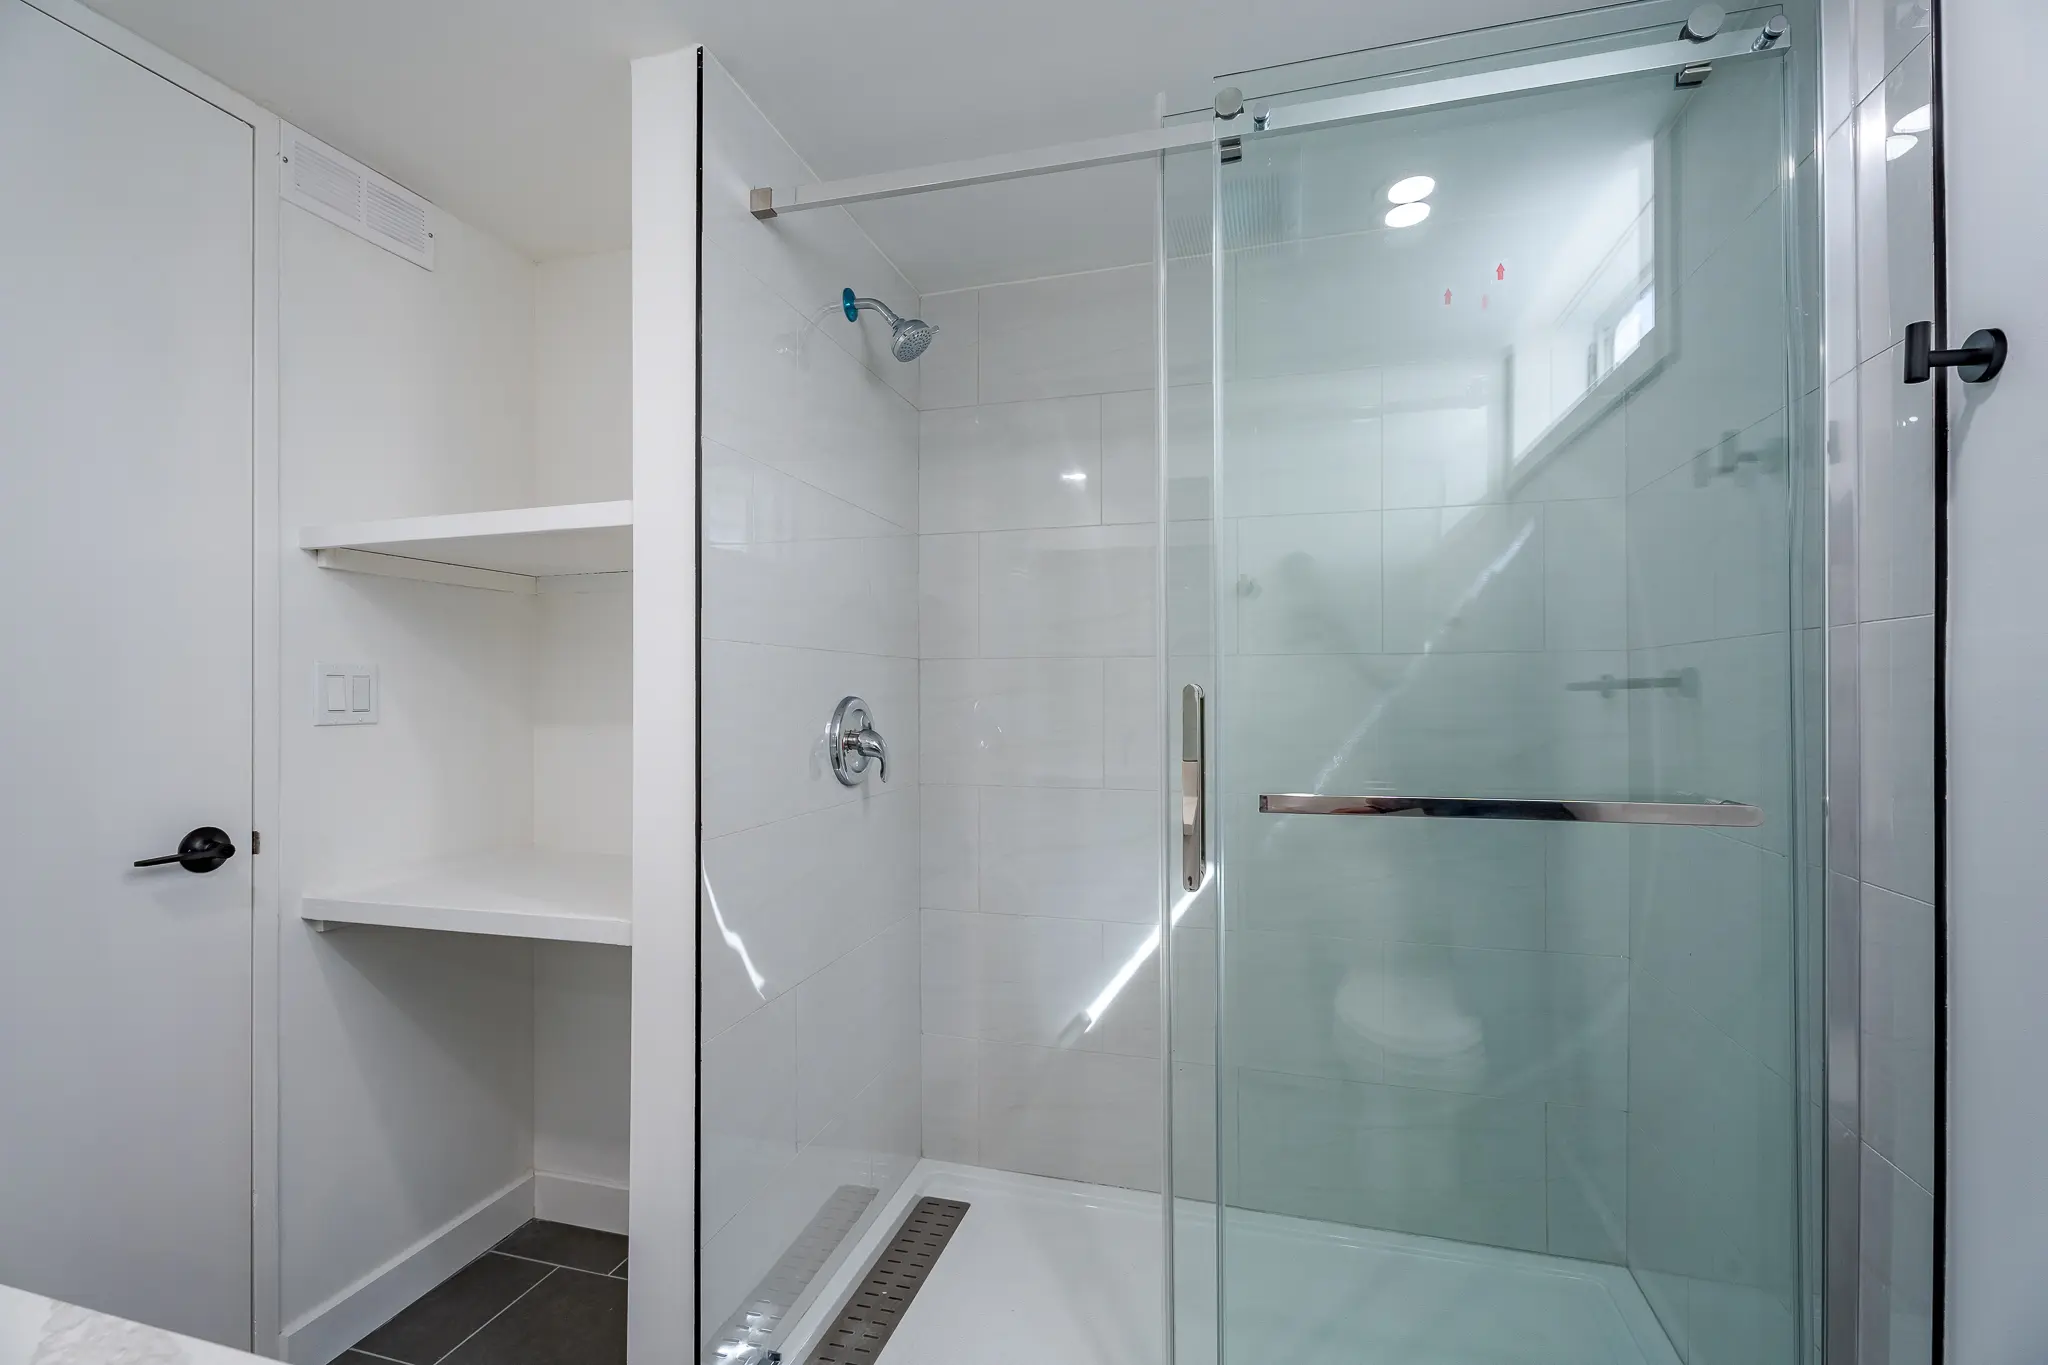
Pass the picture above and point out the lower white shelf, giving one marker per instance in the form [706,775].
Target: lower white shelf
[512,893]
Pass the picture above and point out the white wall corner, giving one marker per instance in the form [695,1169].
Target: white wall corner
[582,1201]
[666,106]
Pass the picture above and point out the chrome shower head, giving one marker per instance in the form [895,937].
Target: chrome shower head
[908,337]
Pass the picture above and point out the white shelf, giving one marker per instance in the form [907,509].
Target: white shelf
[512,893]
[506,550]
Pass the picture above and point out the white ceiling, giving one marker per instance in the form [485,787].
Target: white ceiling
[512,114]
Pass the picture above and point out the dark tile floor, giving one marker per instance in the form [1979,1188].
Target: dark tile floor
[549,1294]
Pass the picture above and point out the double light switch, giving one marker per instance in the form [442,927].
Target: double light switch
[345,694]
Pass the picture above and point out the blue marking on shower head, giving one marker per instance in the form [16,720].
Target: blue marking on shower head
[852,309]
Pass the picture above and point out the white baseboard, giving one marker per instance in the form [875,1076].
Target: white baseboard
[317,1337]
[580,1200]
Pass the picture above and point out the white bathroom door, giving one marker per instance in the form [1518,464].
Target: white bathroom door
[126,665]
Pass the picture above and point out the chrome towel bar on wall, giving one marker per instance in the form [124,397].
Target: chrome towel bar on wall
[1711,814]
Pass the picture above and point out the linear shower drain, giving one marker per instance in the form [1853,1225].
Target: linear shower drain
[877,1304]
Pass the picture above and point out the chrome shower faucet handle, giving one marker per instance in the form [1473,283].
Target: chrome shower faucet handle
[853,742]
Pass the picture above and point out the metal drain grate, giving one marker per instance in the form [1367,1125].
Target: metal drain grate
[751,1332]
[877,1304]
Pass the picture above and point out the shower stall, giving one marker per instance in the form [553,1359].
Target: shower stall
[1259,727]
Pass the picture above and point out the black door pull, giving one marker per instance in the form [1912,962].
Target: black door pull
[1979,360]
[202,850]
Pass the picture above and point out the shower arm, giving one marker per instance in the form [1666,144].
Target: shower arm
[853,307]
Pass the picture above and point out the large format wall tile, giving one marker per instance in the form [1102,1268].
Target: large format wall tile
[1013,721]
[1898,756]
[1070,334]
[1894,538]
[855,1020]
[1586,1166]
[949,371]
[1051,593]
[1079,854]
[1894,198]
[1467,1167]
[749,1137]
[1897,1044]
[856,596]
[1091,1116]
[1012,465]
[1896,1299]
[766,926]
[1009,978]
[949,596]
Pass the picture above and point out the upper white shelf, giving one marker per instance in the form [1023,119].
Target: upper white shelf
[506,550]
[512,893]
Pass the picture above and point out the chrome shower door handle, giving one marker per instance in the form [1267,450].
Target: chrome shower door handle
[852,742]
[1194,755]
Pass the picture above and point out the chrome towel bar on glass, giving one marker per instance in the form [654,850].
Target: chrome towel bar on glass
[1724,814]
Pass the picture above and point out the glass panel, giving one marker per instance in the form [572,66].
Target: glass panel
[939,979]
[1502,509]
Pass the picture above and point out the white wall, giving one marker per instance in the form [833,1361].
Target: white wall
[583,378]
[1998,745]
[406,1059]
[583,732]
[809,954]
[1041,762]
[424,1072]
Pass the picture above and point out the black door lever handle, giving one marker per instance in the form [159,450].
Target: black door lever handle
[1979,360]
[202,850]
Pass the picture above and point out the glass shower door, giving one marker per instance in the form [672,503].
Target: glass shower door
[1500,767]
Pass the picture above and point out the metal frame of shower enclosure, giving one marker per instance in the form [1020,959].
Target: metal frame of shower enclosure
[1445,93]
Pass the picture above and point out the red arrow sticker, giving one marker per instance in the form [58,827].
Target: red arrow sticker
[1447,298]
[1500,272]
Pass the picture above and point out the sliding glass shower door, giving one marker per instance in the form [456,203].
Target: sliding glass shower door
[1480,529]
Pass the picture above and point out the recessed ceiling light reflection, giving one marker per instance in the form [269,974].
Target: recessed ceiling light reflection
[1898,144]
[1919,120]
[1411,189]
[1407,215]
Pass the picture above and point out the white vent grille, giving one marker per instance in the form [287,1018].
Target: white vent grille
[349,194]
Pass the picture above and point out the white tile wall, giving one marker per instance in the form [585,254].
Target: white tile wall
[1085,854]
[1011,465]
[1035,721]
[1090,1116]
[1080,591]
[1040,729]
[1879,215]
[812,566]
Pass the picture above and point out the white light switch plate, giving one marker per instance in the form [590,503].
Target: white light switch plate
[346,694]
